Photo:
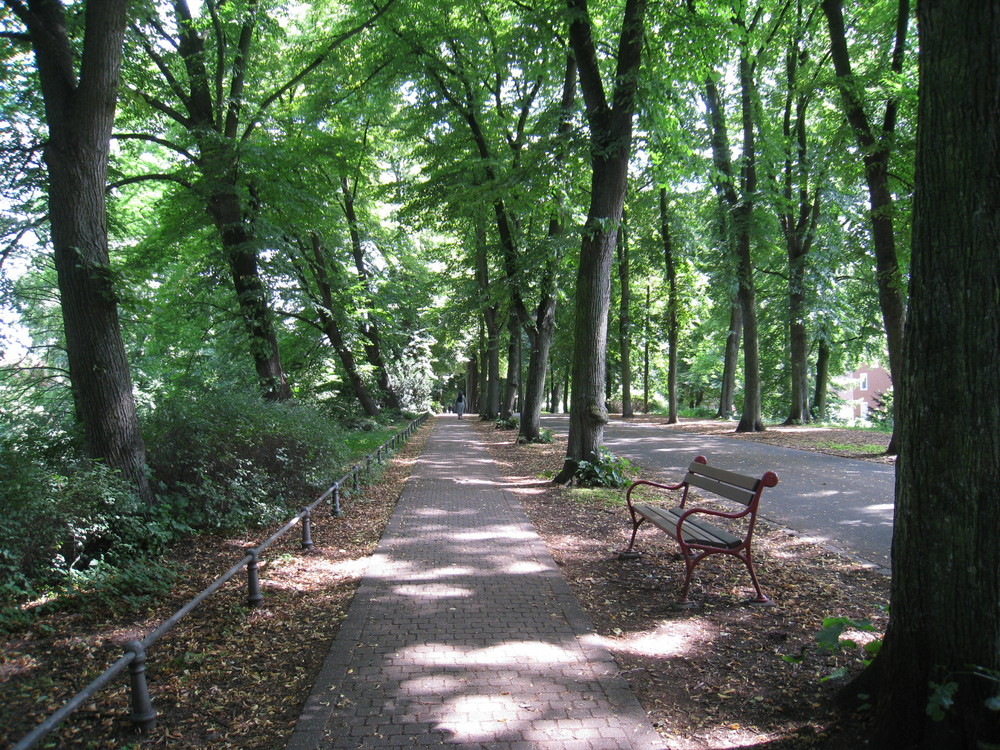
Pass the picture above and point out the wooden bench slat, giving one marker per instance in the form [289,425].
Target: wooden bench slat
[724,475]
[736,494]
[695,530]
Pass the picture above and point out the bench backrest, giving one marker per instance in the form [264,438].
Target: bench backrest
[739,487]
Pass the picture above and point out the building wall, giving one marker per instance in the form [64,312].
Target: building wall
[863,385]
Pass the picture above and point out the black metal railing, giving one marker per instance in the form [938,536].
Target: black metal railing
[142,713]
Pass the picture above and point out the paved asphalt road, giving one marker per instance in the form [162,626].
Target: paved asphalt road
[843,502]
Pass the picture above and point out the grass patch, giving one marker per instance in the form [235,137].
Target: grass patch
[853,447]
[601,497]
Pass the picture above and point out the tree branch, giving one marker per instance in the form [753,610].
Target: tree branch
[160,141]
[315,63]
[154,177]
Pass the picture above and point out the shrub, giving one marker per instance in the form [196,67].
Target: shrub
[507,423]
[604,470]
[230,459]
[545,437]
[59,515]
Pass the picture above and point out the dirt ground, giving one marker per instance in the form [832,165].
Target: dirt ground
[229,676]
[712,676]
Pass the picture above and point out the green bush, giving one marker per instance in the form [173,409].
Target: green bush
[229,460]
[545,437]
[604,470]
[59,514]
[507,423]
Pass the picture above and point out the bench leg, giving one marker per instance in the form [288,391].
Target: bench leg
[690,563]
[761,599]
[627,552]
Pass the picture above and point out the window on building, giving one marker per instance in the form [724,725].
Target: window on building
[864,381]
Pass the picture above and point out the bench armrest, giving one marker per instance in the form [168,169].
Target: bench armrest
[628,493]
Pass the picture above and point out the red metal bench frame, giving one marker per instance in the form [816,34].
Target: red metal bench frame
[698,539]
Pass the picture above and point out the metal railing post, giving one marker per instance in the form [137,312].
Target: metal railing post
[336,500]
[307,541]
[357,478]
[143,714]
[254,597]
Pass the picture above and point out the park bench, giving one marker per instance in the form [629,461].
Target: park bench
[689,527]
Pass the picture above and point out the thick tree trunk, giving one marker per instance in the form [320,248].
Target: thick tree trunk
[490,405]
[611,141]
[798,222]
[875,149]
[944,625]
[542,328]
[214,126]
[540,340]
[80,116]
[798,338]
[646,338]
[730,362]
[751,419]
[672,303]
[735,220]
[625,318]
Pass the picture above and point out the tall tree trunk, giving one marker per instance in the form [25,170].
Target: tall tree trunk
[369,325]
[215,129]
[513,366]
[80,114]
[611,142]
[875,148]
[646,338]
[490,406]
[735,221]
[751,419]
[944,623]
[328,323]
[625,318]
[226,210]
[731,361]
[472,384]
[672,307]
[541,329]
[798,220]
[822,377]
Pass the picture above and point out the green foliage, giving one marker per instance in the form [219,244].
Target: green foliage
[60,516]
[506,423]
[230,459]
[830,640]
[605,470]
[880,413]
[545,437]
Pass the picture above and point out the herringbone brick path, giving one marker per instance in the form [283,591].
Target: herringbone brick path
[463,632]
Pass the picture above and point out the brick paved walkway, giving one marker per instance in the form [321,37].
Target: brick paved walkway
[464,633]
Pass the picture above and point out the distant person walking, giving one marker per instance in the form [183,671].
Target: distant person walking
[460,404]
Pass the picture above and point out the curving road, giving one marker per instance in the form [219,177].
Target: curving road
[842,502]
